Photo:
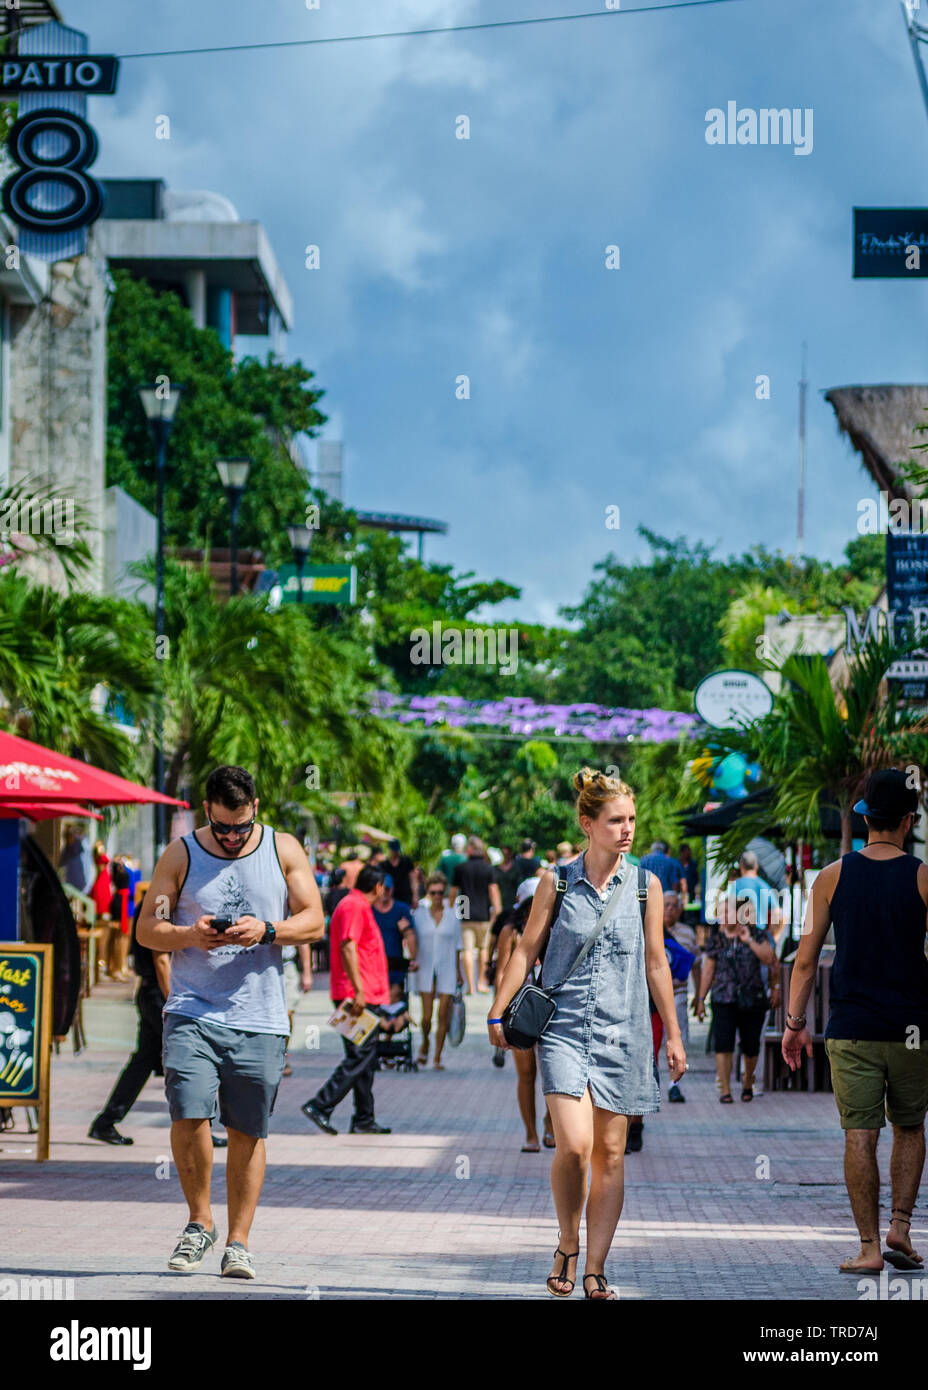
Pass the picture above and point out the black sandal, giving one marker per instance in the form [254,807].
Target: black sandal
[601,1287]
[747,1093]
[726,1099]
[562,1277]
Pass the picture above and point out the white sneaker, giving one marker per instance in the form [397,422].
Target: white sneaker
[195,1242]
[236,1263]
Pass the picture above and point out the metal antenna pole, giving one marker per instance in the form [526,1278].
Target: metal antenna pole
[917,34]
[801,497]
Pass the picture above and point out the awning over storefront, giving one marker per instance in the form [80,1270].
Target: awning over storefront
[696,822]
[30,773]
[46,810]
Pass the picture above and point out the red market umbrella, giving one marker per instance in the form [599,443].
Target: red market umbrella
[45,810]
[30,773]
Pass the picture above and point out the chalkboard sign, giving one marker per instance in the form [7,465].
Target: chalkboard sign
[25,1022]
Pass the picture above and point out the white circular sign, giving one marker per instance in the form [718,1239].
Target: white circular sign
[729,698]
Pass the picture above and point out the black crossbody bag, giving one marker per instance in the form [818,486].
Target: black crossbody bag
[531,1011]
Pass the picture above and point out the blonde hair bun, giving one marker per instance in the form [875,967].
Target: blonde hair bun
[595,788]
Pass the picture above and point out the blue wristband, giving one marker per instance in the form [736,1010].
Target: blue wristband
[494,1020]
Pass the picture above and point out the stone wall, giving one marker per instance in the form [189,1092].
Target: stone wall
[58,399]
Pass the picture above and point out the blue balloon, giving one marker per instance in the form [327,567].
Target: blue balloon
[728,777]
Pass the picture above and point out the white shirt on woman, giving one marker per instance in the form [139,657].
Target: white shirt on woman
[439,943]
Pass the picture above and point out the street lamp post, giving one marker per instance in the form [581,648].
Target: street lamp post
[301,539]
[160,402]
[234,476]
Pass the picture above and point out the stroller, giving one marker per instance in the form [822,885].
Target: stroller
[394,1050]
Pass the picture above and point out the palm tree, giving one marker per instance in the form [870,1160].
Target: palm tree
[31,523]
[823,742]
[266,690]
[63,657]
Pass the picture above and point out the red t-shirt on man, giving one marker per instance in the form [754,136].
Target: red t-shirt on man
[354,921]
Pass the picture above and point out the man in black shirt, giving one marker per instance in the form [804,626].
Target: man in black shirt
[477,901]
[400,868]
[153,969]
[508,875]
[877,1035]
[336,890]
[526,861]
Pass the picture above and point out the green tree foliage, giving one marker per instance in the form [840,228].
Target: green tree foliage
[56,652]
[228,409]
[649,631]
[819,744]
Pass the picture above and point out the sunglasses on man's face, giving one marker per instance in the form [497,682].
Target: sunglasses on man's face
[433,891]
[223,831]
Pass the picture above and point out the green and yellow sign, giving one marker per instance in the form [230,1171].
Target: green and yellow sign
[321,584]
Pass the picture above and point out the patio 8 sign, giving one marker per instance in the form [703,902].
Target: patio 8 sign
[52,197]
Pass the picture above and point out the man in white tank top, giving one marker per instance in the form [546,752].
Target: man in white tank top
[225,900]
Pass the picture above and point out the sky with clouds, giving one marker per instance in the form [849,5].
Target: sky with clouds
[590,388]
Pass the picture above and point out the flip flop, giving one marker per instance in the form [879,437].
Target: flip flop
[530,1149]
[549,1141]
[900,1260]
[726,1099]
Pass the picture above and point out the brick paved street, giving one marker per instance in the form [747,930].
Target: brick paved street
[372,1216]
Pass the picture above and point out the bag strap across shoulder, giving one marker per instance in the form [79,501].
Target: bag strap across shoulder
[595,933]
[642,890]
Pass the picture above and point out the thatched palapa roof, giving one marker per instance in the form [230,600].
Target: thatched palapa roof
[880,422]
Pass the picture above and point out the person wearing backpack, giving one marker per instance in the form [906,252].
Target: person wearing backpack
[603,924]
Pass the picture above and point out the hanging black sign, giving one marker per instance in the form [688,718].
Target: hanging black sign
[67,169]
[890,243]
[907,601]
[51,196]
[90,76]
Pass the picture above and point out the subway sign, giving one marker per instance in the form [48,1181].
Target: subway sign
[89,76]
[321,584]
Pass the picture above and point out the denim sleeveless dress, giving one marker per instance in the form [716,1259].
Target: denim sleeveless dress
[601,1034]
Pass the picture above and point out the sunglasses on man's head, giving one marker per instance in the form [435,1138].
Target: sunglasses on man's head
[221,831]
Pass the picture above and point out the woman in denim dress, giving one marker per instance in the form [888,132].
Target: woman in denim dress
[596,1056]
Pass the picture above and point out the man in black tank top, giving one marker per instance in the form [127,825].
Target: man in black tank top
[877,1033]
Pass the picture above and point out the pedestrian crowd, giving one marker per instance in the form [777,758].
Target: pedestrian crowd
[592,962]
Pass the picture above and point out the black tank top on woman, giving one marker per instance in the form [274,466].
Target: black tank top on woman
[879,980]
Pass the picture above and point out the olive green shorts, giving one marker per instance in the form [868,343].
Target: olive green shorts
[876,1081]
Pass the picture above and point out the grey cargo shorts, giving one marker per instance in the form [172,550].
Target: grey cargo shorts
[203,1059]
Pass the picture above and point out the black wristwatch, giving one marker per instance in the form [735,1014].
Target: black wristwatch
[270,935]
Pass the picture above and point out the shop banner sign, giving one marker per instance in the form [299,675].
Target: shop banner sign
[51,196]
[890,243]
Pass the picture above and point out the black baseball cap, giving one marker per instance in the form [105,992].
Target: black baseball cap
[888,795]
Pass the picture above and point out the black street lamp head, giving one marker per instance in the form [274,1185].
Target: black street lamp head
[160,401]
[233,473]
[300,539]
